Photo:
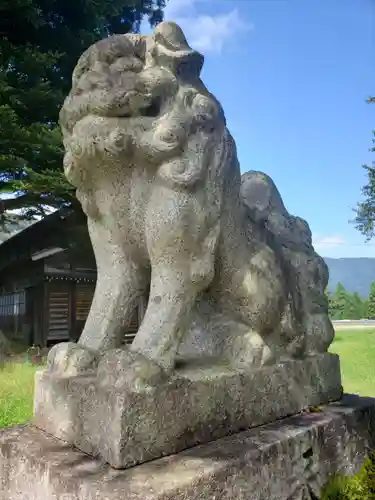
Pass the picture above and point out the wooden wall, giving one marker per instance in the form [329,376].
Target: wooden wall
[17,288]
[58,291]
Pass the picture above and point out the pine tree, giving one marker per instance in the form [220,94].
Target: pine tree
[40,43]
[365,211]
[359,306]
[371,302]
[340,302]
[365,303]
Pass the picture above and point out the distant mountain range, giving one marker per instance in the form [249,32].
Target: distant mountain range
[355,274]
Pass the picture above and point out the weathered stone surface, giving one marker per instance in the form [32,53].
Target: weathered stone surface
[107,414]
[287,460]
[172,222]
[308,271]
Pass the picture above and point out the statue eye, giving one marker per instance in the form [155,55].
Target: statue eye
[153,110]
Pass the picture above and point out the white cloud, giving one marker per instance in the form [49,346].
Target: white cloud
[210,33]
[178,8]
[323,242]
[337,247]
[204,32]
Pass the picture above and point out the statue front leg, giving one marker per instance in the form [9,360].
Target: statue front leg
[115,300]
[182,249]
[122,281]
[172,296]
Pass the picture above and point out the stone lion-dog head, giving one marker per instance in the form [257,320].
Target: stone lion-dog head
[137,98]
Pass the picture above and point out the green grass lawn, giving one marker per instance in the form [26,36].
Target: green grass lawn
[357,353]
[356,350]
[16,393]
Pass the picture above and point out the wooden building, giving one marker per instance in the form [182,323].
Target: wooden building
[47,281]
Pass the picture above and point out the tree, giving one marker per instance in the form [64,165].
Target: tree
[371,302]
[331,303]
[347,305]
[339,305]
[40,43]
[354,309]
[365,308]
[359,307]
[344,305]
[365,211]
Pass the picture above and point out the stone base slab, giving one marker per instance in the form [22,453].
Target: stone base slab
[287,460]
[195,405]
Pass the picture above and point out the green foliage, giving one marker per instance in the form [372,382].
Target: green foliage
[39,46]
[367,475]
[365,305]
[341,302]
[344,305]
[343,488]
[358,306]
[371,302]
[365,211]
[358,487]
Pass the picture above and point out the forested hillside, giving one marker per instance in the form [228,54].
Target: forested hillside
[351,289]
[354,274]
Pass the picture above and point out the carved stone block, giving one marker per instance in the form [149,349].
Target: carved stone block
[128,425]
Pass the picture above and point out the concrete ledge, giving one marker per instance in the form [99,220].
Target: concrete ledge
[195,405]
[289,459]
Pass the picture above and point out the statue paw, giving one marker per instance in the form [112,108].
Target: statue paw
[124,369]
[70,359]
[251,351]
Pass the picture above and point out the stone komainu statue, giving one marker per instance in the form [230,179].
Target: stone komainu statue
[228,273]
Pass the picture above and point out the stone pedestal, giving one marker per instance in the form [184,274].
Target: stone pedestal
[197,404]
[287,460]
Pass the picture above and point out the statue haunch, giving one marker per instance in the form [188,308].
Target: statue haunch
[226,271]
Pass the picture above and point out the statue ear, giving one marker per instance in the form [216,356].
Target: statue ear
[171,50]
[171,35]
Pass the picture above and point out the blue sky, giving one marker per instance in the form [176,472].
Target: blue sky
[293,76]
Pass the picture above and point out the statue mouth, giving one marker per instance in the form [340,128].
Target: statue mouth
[150,109]
[131,105]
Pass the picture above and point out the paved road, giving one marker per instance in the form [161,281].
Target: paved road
[353,324]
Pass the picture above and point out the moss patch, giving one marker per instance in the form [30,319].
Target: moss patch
[358,487]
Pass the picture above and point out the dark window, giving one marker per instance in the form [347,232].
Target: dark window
[12,304]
